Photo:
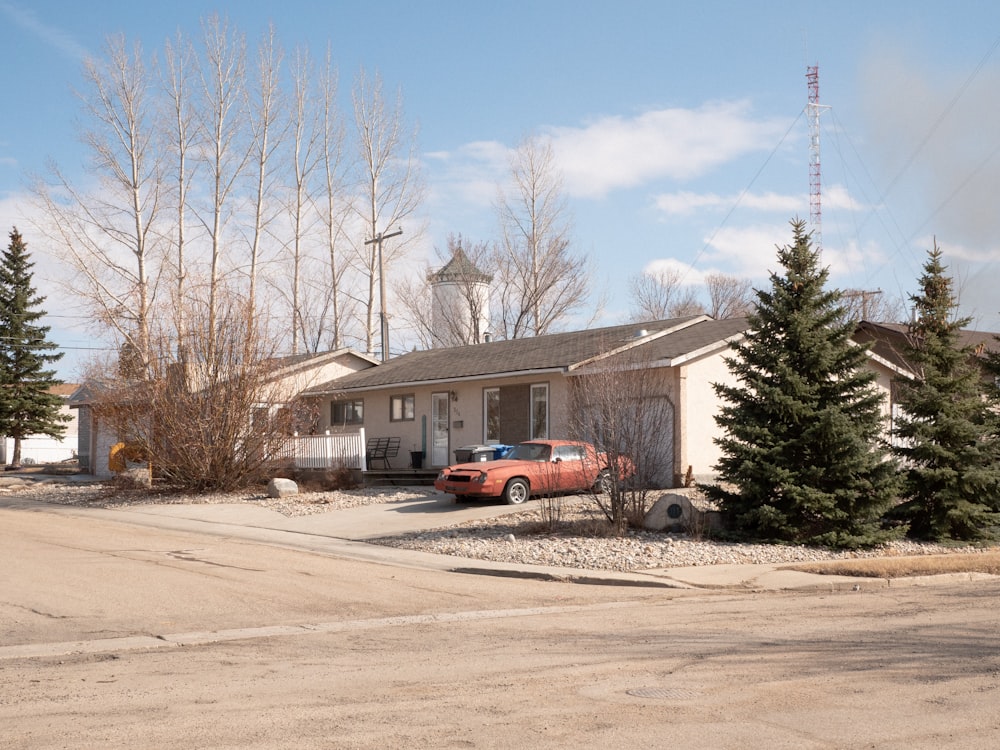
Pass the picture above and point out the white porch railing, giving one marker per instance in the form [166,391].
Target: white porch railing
[329,451]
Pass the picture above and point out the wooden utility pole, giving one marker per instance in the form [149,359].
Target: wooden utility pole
[383,318]
[864,295]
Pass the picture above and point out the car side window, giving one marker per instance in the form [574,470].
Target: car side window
[540,453]
[569,452]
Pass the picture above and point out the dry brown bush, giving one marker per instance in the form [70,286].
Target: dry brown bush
[327,480]
[208,413]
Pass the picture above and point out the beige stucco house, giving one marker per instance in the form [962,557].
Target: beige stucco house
[438,400]
[887,344]
[289,377]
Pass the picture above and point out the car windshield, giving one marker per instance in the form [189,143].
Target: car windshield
[530,452]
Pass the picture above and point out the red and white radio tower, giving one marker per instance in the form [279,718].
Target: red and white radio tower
[815,182]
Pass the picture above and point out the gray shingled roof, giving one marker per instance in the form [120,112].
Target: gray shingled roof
[888,341]
[553,352]
[460,268]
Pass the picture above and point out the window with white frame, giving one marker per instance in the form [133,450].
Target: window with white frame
[539,411]
[491,415]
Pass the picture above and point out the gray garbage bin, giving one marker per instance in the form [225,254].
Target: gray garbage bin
[474,453]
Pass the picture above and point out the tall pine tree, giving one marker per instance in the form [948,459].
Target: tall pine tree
[946,436]
[26,406]
[802,459]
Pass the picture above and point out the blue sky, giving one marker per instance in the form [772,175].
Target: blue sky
[679,126]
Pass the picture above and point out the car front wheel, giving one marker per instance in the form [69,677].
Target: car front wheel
[516,492]
[603,484]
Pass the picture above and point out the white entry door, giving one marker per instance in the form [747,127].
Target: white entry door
[439,429]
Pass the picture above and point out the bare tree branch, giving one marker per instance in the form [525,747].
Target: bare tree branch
[539,281]
[390,183]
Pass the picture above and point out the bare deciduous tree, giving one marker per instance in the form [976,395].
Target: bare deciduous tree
[334,206]
[660,294]
[458,312]
[390,184]
[214,422]
[180,135]
[728,296]
[539,282]
[873,306]
[109,233]
[306,135]
[264,113]
[222,121]
[624,406]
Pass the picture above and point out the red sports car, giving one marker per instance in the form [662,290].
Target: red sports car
[537,467]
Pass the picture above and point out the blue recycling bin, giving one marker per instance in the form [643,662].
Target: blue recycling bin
[501,451]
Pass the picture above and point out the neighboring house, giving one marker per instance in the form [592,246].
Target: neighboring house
[509,391]
[439,400]
[888,343]
[289,376]
[41,449]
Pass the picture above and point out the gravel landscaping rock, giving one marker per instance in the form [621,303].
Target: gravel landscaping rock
[520,538]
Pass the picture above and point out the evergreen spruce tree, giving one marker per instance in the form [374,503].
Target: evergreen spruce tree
[802,458]
[991,367]
[26,406]
[946,434]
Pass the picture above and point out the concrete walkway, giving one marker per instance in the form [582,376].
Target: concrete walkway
[343,533]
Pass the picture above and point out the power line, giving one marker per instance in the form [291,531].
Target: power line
[743,193]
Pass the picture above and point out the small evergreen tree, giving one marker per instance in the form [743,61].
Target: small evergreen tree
[26,405]
[946,432]
[802,460]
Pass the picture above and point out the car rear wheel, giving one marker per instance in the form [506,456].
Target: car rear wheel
[603,484]
[516,492]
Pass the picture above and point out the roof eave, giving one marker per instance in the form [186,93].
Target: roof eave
[314,393]
[634,343]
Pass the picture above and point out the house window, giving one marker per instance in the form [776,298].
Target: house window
[491,415]
[401,408]
[539,411]
[260,418]
[347,412]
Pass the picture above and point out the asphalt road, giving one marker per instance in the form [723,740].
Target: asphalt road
[123,636]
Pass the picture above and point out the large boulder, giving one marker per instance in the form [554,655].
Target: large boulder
[671,512]
[279,487]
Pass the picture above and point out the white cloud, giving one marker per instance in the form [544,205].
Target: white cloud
[62,41]
[617,152]
[750,251]
[681,144]
[688,274]
[685,203]
[838,196]
[970,255]
[853,263]
[469,175]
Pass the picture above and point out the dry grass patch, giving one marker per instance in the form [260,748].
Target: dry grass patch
[900,567]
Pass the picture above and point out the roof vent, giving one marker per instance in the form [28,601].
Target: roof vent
[641,333]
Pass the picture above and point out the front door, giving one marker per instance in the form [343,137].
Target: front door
[439,429]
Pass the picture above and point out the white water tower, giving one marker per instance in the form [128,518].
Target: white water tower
[460,306]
